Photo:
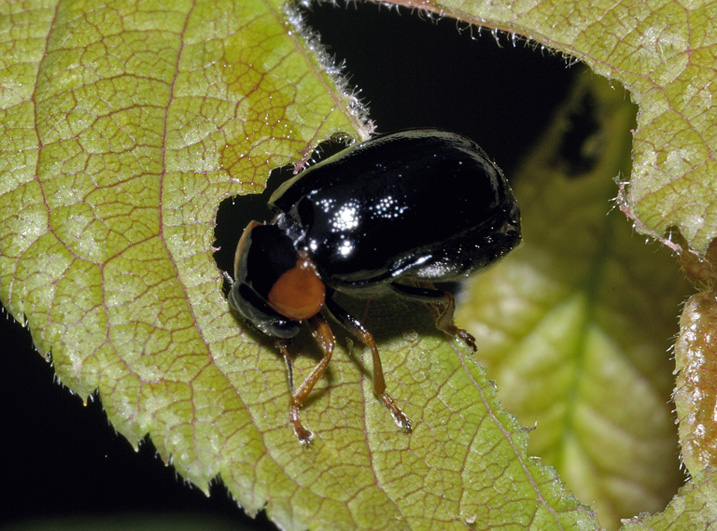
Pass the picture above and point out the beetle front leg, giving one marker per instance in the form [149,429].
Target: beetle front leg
[443,305]
[303,434]
[321,330]
[354,326]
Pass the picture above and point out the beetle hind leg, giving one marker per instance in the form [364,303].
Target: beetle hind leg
[443,306]
[321,330]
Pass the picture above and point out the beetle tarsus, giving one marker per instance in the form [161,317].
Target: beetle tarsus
[321,330]
[304,435]
[399,417]
[443,306]
[467,338]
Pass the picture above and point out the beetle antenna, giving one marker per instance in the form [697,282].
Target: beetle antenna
[281,345]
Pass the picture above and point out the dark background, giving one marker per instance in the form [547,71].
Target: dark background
[63,459]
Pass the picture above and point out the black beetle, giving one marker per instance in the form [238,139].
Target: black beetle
[391,214]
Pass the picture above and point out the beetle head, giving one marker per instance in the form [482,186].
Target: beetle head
[276,287]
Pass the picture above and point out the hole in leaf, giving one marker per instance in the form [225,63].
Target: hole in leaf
[417,72]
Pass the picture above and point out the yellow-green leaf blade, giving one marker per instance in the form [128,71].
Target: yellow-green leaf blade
[664,53]
[694,507]
[575,324]
[107,231]
[141,120]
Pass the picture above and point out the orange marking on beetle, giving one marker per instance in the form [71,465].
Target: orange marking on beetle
[299,293]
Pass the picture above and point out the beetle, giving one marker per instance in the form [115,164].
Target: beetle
[389,215]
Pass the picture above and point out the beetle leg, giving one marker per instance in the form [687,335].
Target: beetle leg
[442,304]
[301,432]
[281,345]
[321,330]
[354,326]
[228,278]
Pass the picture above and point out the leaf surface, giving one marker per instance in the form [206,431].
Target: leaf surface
[575,324]
[123,132]
[124,124]
[695,507]
[664,52]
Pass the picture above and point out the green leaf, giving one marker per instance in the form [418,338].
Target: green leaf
[124,124]
[575,324]
[695,507]
[664,53]
[116,163]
